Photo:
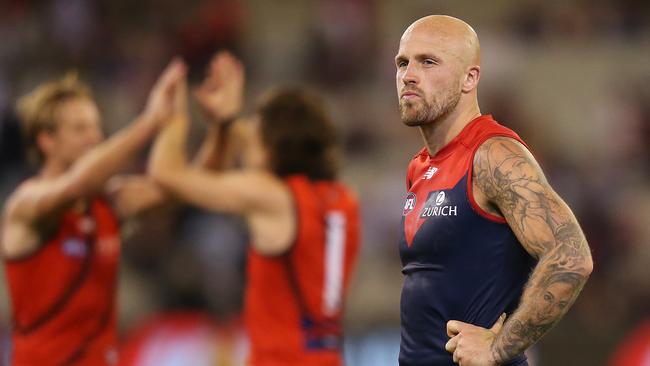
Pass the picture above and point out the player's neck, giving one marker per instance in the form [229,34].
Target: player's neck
[52,168]
[438,133]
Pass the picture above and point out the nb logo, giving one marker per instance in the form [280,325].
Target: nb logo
[432,170]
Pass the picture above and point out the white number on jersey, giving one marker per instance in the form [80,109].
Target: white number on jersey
[334,262]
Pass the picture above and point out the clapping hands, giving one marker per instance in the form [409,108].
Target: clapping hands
[221,93]
[168,96]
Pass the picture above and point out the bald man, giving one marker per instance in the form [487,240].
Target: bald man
[483,233]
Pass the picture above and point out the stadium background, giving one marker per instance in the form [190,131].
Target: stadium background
[571,77]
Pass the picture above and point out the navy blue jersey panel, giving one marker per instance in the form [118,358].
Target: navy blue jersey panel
[459,265]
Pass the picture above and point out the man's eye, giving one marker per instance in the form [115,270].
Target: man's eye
[429,62]
[402,64]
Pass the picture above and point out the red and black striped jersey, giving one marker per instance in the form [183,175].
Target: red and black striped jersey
[63,295]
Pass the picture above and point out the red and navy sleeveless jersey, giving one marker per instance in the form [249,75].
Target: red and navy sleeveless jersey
[294,302]
[459,261]
[63,295]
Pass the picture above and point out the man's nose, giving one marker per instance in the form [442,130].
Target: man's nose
[410,75]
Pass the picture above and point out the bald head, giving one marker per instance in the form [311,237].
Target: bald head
[438,70]
[457,37]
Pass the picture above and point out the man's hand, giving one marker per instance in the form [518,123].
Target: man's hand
[472,345]
[221,93]
[179,97]
[163,101]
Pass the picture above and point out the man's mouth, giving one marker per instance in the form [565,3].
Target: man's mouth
[409,95]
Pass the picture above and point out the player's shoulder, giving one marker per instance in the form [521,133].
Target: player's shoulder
[334,192]
[486,127]
[417,159]
[23,191]
[346,195]
[18,234]
[502,156]
[420,154]
[488,133]
[269,191]
[501,146]
[35,198]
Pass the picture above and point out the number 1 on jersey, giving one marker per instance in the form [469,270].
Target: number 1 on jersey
[334,262]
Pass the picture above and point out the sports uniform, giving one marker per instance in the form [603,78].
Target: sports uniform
[63,295]
[459,261]
[294,301]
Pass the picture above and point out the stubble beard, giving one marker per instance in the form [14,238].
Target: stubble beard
[421,112]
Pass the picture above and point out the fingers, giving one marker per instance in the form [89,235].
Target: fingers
[174,71]
[220,94]
[180,95]
[225,68]
[173,84]
[451,345]
[224,59]
[469,343]
[161,96]
[202,95]
[496,328]
[454,327]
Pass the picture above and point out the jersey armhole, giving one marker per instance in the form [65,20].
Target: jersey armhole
[10,260]
[470,174]
[296,229]
[43,241]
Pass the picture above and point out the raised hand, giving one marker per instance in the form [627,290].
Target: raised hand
[472,345]
[162,101]
[222,91]
[179,101]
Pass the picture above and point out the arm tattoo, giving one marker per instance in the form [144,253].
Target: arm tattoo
[511,179]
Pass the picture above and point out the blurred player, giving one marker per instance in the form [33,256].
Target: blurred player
[60,235]
[483,232]
[303,223]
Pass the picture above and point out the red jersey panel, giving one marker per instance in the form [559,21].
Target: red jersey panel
[63,295]
[294,302]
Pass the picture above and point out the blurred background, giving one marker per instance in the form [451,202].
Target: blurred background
[571,77]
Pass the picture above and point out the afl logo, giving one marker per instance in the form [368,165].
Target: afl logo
[440,198]
[409,205]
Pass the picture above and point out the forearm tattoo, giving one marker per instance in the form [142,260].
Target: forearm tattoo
[511,179]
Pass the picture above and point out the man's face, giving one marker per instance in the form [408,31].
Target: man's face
[428,77]
[77,131]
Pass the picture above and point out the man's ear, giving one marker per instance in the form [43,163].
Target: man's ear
[45,142]
[472,77]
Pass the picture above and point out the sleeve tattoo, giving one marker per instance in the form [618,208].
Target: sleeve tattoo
[512,180]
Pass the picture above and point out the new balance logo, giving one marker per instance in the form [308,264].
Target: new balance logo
[432,170]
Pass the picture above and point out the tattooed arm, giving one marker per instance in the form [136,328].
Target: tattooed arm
[511,181]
